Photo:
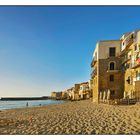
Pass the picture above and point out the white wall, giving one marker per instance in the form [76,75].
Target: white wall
[103,48]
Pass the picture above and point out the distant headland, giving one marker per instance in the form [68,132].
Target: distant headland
[25,98]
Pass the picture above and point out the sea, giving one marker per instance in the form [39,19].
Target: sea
[31,103]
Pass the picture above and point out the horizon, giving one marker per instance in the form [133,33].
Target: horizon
[49,48]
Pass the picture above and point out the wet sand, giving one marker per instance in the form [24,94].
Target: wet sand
[79,117]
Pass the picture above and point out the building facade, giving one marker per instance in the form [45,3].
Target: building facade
[106,72]
[84,91]
[130,53]
[116,68]
[56,95]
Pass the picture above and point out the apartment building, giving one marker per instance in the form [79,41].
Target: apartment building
[106,75]
[75,92]
[84,91]
[130,54]
[79,91]
[65,95]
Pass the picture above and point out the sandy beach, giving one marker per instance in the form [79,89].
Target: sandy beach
[79,117]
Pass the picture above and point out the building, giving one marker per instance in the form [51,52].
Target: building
[75,92]
[56,95]
[65,95]
[84,91]
[106,75]
[130,53]
[70,93]
[90,87]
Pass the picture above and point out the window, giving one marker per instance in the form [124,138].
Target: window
[111,78]
[128,80]
[111,67]
[127,65]
[137,76]
[112,51]
[135,47]
[132,36]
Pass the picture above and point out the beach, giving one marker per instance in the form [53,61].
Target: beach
[78,117]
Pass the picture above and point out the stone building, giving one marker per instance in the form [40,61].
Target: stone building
[106,72]
[116,68]
[79,91]
[56,95]
[84,91]
[70,93]
[75,92]
[65,95]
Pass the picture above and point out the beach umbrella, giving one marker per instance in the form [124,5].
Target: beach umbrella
[104,95]
[124,95]
[108,95]
[101,95]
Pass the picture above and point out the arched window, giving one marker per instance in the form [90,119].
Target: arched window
[112,66]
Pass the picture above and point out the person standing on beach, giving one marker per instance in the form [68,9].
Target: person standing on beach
[27,104]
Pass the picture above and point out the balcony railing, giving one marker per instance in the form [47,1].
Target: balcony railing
[128,42]
[126,58]
[134,65]
[115,70]
[94,72]
[94,60]
[116,55]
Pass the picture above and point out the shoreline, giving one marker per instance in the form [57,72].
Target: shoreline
[32,106]
[78,117]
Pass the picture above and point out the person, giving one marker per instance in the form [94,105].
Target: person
[27,104]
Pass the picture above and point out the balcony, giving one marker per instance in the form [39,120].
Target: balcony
[125,59]
[135,65]
[113,71]
[128,42]
[138,78]
[94,60]
[94,72]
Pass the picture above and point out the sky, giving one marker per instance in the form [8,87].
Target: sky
[44,49]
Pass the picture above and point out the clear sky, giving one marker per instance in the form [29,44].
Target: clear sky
[44,49]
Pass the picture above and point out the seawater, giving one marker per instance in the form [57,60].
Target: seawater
[31,103]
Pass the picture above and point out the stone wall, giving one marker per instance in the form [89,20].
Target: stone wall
[104,77]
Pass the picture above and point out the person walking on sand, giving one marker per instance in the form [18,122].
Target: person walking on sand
[27,104]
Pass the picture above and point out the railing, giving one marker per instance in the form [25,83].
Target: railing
[94,60]
[134,65]
[128,42]
[115,70]
[94,72]
[126,58]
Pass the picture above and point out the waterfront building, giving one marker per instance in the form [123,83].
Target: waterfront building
[84,91]
[116,68]
[106,75]
[130,53]
[56,95]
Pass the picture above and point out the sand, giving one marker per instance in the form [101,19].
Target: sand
[79,117]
